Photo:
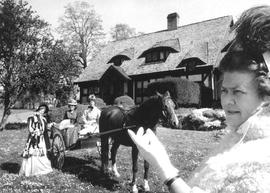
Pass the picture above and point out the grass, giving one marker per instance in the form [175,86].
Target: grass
[81,171]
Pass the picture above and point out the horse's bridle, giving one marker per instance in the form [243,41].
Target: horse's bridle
[164,111]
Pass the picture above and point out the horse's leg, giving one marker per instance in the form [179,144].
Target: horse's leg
[104,154]
[114,149]
[135,153]
[146,170]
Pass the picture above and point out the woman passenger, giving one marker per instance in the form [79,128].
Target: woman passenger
[72,131]
[90,118]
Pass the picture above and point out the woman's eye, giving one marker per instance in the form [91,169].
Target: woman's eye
[223,91]
[238,92]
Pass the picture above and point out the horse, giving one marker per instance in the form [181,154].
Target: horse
[147,116]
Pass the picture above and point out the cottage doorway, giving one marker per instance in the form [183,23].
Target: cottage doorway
[113,84]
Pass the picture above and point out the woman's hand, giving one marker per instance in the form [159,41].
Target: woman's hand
[50,125]
[154,152]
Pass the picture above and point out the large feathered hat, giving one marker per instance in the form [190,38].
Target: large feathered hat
[253,32]
[72,102]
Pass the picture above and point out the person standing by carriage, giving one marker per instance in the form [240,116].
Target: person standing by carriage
[35,160]
[72,131]
[90,118]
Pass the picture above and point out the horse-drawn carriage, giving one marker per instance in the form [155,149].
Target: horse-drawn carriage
[59,147]
[113,124]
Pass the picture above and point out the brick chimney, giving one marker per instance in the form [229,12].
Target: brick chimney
[172,21]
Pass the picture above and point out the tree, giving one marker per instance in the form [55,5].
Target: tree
[123,31]
[81,29]
[23,38]
[56,66]
[53,73]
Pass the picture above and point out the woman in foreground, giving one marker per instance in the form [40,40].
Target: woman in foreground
[241,163]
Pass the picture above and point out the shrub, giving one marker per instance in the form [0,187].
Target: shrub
[186,93]
[15,126]
[125,102]
[100,103]
[204,120]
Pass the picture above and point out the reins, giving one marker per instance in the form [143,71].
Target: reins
[112,131]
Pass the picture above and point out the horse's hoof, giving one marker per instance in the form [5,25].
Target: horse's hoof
[116,174]
[115,171]
[146,186]
[135,189]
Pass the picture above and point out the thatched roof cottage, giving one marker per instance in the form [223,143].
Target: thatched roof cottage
[126,67]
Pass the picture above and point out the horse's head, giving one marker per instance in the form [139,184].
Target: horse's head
[168,106]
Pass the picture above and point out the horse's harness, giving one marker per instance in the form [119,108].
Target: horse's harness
[123,128]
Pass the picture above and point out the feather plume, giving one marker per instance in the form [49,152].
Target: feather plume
[253,30]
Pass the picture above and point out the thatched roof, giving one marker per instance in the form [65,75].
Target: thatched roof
[203,40]
[118,70]
[198,51]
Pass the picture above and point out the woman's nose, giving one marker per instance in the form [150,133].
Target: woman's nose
[228,99]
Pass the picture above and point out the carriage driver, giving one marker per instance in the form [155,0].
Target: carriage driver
[90,118]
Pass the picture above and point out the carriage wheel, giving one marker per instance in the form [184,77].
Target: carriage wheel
[98,144]
[58,150]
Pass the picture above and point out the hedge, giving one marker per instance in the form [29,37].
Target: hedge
[15,126]
[126,102]
[186,93]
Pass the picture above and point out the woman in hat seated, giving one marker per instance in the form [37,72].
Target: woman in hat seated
[90,118]
[70,124]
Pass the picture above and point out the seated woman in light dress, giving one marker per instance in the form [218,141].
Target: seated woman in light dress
[70,124]
[90,118]
[35,161]
[241,163]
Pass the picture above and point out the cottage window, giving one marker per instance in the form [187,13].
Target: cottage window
[139,84]
[118,59]
[85,91]
[195,78]
[156,55]
[161,55]
[167,53]
[148,57]
[84,99]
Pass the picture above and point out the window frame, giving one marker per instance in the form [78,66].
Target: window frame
[157,55]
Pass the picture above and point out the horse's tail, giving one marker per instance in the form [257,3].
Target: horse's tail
[104,144]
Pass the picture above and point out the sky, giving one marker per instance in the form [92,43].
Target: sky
[147,15]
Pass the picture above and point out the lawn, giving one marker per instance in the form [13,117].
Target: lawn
[81,171]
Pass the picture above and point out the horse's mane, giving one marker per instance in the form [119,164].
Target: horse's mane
[150,102]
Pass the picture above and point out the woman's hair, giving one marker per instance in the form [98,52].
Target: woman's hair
[44,105]
[240,61]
